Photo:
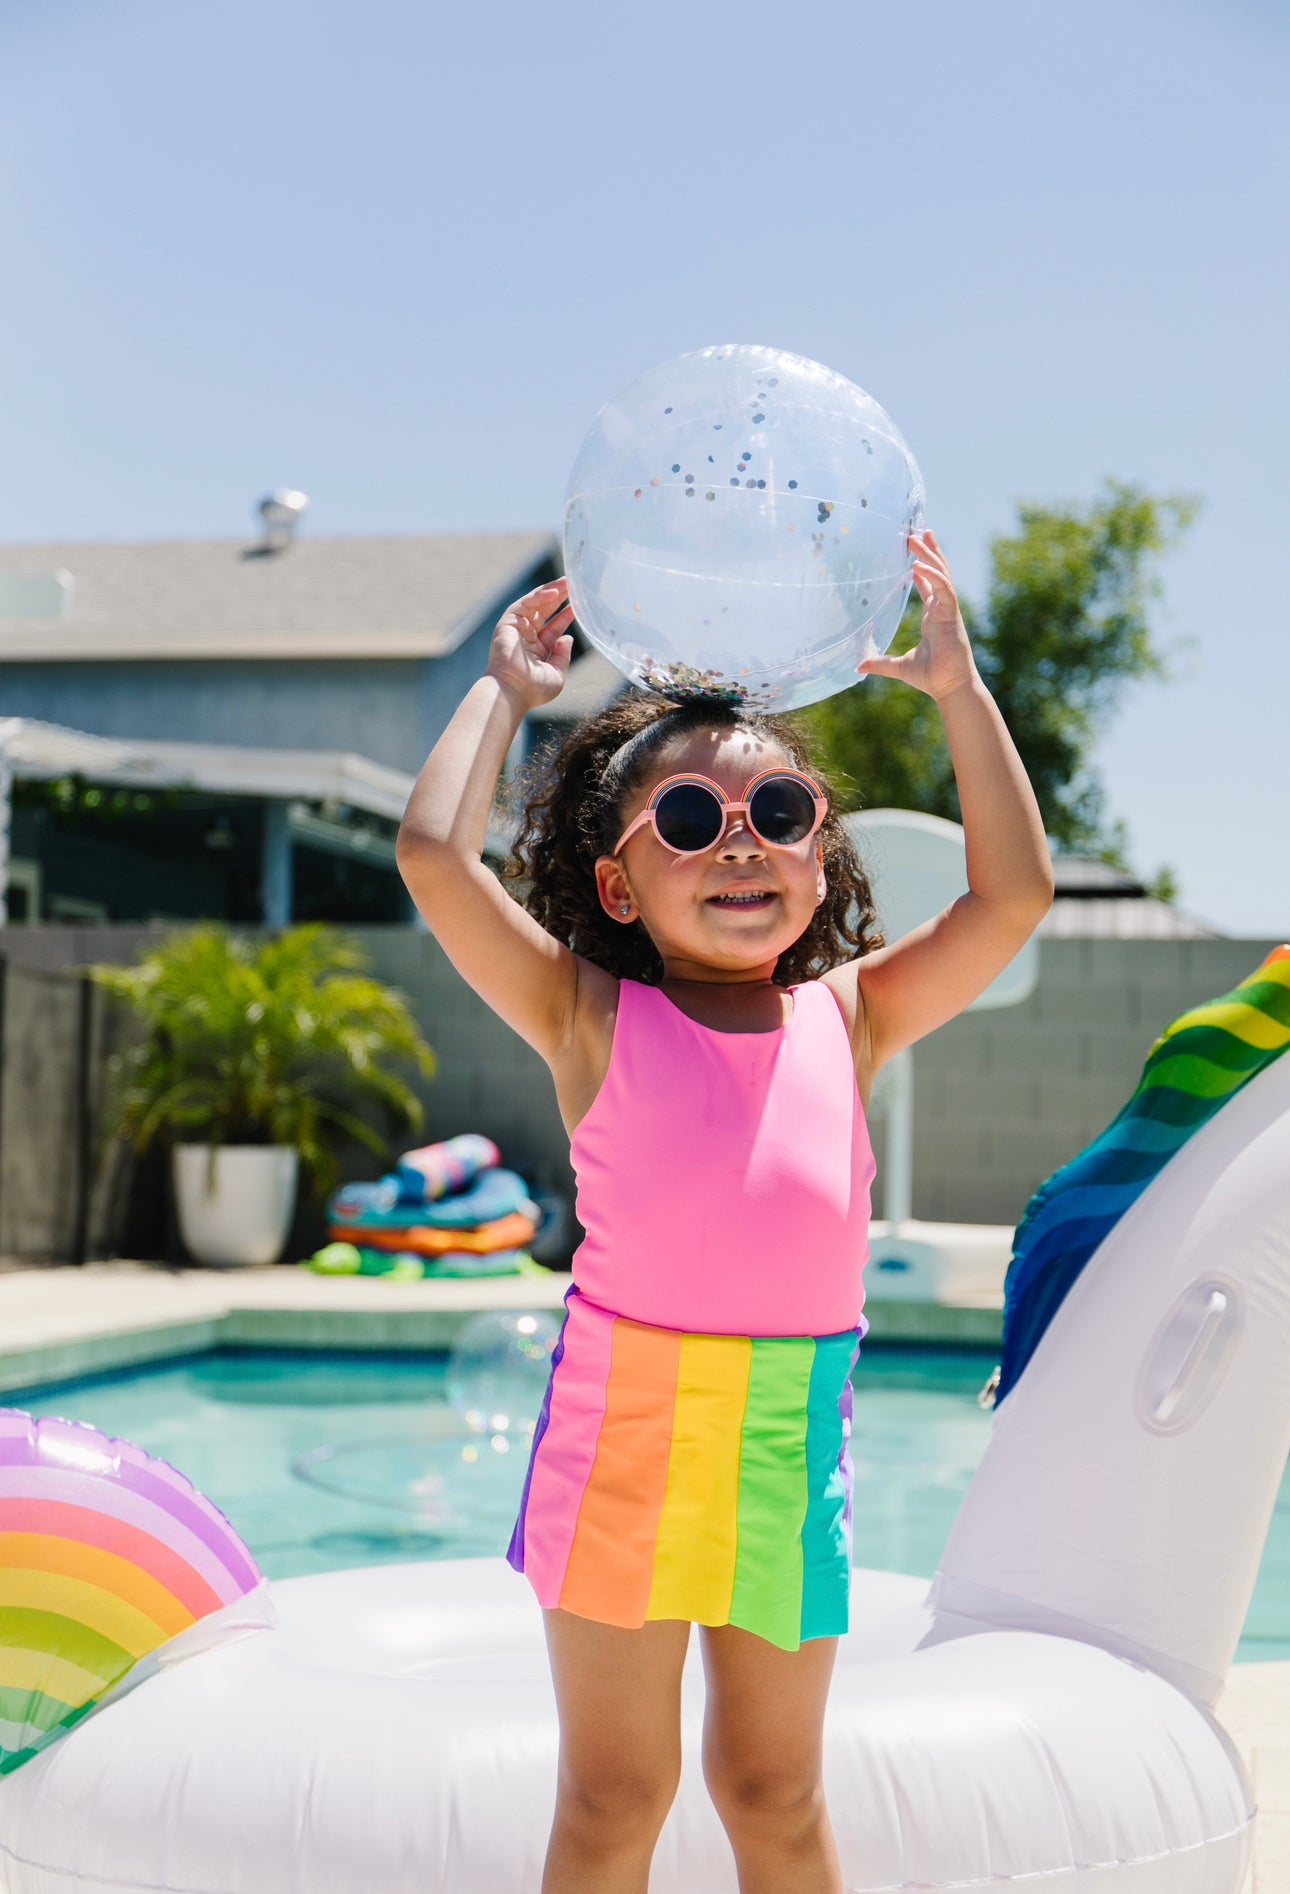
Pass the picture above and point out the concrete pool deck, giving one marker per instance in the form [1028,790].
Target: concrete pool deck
[62,1321]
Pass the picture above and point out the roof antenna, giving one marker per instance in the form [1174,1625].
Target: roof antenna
[280,514]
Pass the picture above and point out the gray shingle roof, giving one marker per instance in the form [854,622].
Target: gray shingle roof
[404,595]
[1091,899]
[1130,917]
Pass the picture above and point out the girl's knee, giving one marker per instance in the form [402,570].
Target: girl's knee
[765,1795]
[618,1803]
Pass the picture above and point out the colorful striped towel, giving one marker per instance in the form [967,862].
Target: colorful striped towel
[494,1194]
[504,1233]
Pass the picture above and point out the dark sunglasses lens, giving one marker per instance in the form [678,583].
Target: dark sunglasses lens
[689,817]
[782,810]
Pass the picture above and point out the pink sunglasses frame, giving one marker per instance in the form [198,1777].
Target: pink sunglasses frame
[743,808]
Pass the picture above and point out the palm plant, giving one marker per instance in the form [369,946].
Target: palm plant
[271,1042]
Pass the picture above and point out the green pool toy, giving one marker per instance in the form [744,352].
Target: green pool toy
[335,1259]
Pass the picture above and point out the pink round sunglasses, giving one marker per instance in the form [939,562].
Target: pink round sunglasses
[782,807]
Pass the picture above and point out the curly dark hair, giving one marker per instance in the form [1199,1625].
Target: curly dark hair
[572,795]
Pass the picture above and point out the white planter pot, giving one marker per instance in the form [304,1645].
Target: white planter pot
[246,1216]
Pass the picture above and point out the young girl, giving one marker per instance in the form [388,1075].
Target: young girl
[698,963]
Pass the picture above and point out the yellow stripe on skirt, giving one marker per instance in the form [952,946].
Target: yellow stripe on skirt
[694,1476]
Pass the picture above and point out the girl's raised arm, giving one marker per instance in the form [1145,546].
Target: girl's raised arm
[526,976]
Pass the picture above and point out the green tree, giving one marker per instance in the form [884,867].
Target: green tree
[1063,630]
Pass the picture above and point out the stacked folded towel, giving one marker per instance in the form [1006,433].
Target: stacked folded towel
[448,1209]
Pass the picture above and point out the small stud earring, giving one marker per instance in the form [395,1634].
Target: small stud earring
[624,910]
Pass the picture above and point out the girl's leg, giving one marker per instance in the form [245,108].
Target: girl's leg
[763,1758]
[618,1693]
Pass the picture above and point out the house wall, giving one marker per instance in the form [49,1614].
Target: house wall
[389,710]
[1001,1098]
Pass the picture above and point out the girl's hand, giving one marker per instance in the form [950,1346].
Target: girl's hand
[532,645]
[942,659]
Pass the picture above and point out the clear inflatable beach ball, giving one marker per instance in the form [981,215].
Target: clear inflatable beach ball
[499,1368]
[736,527]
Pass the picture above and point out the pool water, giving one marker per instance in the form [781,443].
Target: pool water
[324,1460]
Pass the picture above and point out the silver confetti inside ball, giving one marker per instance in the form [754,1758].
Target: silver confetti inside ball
[736,527]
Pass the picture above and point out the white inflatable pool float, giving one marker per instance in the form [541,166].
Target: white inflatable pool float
[1037,1720]
[397,1733]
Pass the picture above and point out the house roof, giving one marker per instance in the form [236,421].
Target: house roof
[33,749]
[1091,899]
[406,595]
[1123,917]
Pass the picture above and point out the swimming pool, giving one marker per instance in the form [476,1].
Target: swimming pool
[324,1459]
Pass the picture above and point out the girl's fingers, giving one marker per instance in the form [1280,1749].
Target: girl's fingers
[934,573]
[928,543]
[556,629]
[537,614]
[539,603]
[932,555]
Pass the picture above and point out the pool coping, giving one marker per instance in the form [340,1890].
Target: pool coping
[62,1321]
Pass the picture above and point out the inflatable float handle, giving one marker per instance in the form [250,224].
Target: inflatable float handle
[1206,1322]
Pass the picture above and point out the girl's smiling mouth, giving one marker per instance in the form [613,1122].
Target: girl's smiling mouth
[742,898]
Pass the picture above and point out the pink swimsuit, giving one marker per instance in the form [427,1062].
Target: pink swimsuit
[691,1458]
[723,1178]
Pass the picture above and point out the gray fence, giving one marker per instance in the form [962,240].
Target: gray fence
[64,1181]
[1001,1099]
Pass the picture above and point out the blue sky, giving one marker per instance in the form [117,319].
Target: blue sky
[398,256]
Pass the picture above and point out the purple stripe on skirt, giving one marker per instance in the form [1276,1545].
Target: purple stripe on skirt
[515,1550]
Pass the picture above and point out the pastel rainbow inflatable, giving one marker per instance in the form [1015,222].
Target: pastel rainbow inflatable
[106,1556]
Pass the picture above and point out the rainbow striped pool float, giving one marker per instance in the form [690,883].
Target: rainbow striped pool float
[684,1475]
[106,1556]
[1198,1063]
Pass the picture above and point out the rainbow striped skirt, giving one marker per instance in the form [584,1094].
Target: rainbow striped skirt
[684,1475]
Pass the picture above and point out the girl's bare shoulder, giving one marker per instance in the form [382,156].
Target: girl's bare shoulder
[579,1071]
[844,984]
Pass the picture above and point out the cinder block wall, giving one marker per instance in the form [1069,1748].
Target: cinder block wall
[1002,1098]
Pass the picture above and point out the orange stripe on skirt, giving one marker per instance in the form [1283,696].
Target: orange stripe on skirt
[610,1569]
